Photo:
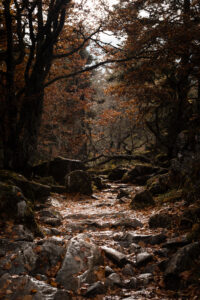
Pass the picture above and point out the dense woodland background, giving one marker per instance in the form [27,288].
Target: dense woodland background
[99,87]
[145,97]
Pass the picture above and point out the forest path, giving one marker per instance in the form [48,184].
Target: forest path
[107,219]
[97,247]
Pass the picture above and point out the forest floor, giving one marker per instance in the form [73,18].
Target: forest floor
[109,221]
[105,218]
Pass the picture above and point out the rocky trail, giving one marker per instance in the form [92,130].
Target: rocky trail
[97,247]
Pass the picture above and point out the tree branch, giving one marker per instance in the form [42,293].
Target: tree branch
[87,69]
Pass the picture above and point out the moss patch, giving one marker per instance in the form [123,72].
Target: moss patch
[171,196]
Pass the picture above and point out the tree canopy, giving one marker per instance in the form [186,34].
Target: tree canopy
[155,66]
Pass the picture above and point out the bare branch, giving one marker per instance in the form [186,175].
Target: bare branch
[87,69]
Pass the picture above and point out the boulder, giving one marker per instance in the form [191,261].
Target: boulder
[144,279]
[158,184]
[78,182]
[13,205]
[128,270]
[117,173]
[129,238]
[117,257]
[48,257]
[160,221]
[113,280]
[31,189]
[80,262]
[97,288]
[97,181]
[21,233]
[123,193]
[142,200]
[108,271]
[50,217]
[58,168]
[182,260]
[29,288]
[140,174]
[143,258]
[127,223]
[176,242]
[27,257]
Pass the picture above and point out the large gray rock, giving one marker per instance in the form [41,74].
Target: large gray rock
[31,189]
[182,260]
[143,258]
[58,168]
[81,259]
[31,258]
[117,257]
[158,184]
[142,200]
[161,220]
[13,205]
[117,173]
[131,237]
[140,174]
[49,254]
[113,279]
[78,182]
[98,288]
[26,287]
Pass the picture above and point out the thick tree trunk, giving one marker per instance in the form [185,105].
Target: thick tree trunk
[19,136]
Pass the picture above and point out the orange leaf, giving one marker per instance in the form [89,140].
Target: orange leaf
[53,283]
[7,266]
[77,258]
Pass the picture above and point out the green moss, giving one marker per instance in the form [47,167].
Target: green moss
[171,196]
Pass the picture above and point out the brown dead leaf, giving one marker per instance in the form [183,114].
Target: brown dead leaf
[142,244]
[88,240]
[7,266]
[77,258]
[100,273]
[27,297]
[161,283]
[53,283]
[37,249]
[33,291]
[98,297]
[8,292]
[28,267]
[185,275]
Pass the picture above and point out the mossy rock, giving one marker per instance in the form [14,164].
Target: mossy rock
[142,200]
[194,234]
[79,182]
[97,183]
[117,173]
[31,189]
[171,196]
[139,174]
[158,184]
[45,180]
[13,205]
[161,220]
[58,167]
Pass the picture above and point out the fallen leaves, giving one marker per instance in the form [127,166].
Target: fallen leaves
[37,249]
[7,266]
[100,273]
